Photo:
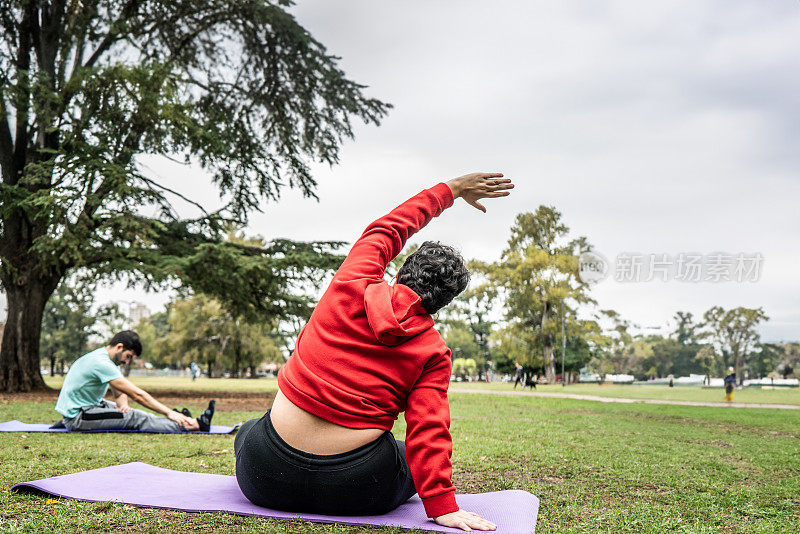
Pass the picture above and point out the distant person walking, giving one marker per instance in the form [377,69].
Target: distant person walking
[195,369]
[730,383]
[518,376]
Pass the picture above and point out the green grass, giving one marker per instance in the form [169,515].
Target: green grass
[201,384]
[595,467]
[681,393]
[754,395]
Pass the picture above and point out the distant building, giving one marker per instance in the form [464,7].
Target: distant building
[138,311]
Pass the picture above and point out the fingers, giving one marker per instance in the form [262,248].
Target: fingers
[466,521]
[476,521]
[483,185]
[477,205]
[469,524]
[182,420]
[481,524]
[497,185]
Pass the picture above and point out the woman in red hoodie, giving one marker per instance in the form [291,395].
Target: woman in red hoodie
[368,353]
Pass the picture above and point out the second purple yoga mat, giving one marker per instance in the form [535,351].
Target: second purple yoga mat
[140,484]
[19,426]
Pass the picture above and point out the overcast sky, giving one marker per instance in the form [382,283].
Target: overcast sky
[653,127]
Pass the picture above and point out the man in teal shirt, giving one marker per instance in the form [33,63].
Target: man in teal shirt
[83,407]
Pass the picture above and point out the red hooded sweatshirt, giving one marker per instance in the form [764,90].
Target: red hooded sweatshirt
[370,351]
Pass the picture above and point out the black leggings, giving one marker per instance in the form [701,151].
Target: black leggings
[370,480]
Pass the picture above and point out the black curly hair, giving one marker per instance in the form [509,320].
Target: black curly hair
[436,273]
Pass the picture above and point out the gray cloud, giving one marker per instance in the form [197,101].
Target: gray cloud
[654,127]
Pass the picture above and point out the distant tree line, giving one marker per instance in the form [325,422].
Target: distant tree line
[536,285]
[522,308]
[199,328]
[193,328]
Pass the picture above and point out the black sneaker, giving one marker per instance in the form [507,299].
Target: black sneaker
[205,420]
[184,411]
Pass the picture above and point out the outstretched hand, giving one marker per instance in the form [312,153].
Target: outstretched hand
[478,185]
[184,422]
[465,521]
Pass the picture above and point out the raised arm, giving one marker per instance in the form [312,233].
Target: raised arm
[383,240]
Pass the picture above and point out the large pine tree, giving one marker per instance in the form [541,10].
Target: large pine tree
[88,85]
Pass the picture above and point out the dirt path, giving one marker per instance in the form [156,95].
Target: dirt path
[227,401]
[627,401]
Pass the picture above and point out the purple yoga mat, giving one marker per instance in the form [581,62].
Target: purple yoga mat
[140,484]
[19,426]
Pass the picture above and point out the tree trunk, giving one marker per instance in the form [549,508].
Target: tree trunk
[237,356]
[19,353]
[52,363]
[549,357]
[737,360]
[547,343]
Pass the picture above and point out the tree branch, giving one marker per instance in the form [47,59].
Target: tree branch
[112,35]
[69,89]
[80,15]
[23,93]
[6,143]
[153,183]
[52,27]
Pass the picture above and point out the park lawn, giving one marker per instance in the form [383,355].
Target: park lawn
[595,467]
[201,384]
[679,393]
[754,395]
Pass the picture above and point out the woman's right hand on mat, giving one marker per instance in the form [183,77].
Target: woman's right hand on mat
[478,185]
[465,521]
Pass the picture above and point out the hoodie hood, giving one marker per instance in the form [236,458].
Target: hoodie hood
[395,313]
